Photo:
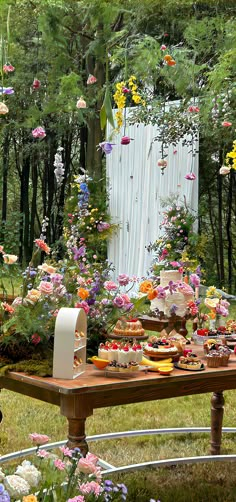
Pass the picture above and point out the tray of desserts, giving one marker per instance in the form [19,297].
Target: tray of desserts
[124,370]
[190,362]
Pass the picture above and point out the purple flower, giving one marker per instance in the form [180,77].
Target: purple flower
[102,225]
[173,309]
[174,263]
[191,176]
[123,279]
[128,307]
[106,147]
[105,301]
[161,292]
[172,286]
[4,495]
[6,90]
[118,301]
[195,280]
[79,252]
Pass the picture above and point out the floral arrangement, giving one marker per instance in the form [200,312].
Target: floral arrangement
[179,247]
[80,279]
[123,90]
[67,477]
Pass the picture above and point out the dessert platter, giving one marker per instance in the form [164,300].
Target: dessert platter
[190,362]
[129,329]
[160,348]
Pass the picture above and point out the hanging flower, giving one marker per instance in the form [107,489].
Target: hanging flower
[190,176]
[193,109]
[167,57]
[6,90]
[224,170]
[171,62]
[3,109]
[163,47]
[225,123]
[91,80]
[39,132]
[125,90]
[102,226]
[81,103]
[36,84]
[10,258]
[162,163]
[8,68]
[122,89]
[125,140]
[106,147]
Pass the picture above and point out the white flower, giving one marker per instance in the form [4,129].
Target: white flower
[29,473]
[16,486]
[224,170]
[2,475]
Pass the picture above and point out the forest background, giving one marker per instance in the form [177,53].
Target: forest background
[61,43]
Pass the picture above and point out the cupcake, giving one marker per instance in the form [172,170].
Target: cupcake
[225,354]
[213,359]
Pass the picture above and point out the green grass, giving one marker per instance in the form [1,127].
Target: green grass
[196,483]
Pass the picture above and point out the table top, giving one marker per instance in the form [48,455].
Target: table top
[94,380]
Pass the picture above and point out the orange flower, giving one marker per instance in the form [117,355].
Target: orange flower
[83,293]
[152,294]
[145,286]
[167,57]
[42,245]
[171,62]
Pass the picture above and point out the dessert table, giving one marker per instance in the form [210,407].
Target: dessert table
[79,397]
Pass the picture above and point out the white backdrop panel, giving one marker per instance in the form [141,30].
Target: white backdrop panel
[136,187]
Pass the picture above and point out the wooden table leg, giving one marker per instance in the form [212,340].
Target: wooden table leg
[76,409]
[76,434]
[217,412]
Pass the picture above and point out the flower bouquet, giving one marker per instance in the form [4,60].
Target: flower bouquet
[64,477]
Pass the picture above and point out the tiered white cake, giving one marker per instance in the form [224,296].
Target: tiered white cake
[180,298]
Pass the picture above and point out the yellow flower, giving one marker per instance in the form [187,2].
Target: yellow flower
[146,286]
[211,302]
[212,291]
[30,498]
[168,246]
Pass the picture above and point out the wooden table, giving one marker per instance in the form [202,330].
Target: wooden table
[78,398]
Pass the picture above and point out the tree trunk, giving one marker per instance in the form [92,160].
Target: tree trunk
[213,233]
[5,165]
[229,235]
[24,201]
[34,177]
[220,226]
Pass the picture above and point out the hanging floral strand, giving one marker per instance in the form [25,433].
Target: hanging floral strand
[59,167]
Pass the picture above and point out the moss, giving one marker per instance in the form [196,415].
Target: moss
[38,367]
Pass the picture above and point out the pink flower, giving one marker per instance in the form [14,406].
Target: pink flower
[56,278]
[118,301]
[163,47]
[8,68]
[45,287]
[86,466]
[125,140]
[110,286]
[91,80]
[1,249]
[174,263]
[59,464]
[91,487]
[36,84]
[39,132]
[190,176]
[225,123]
[39,439]
[92,458]
[103,225]
[193,109]
[123,279]
[35,338]
[125,297]
[175,151]
[195,280]
[43,453]
[66,451]
[43,246]
[81,103]
[83,305]
[79,498]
